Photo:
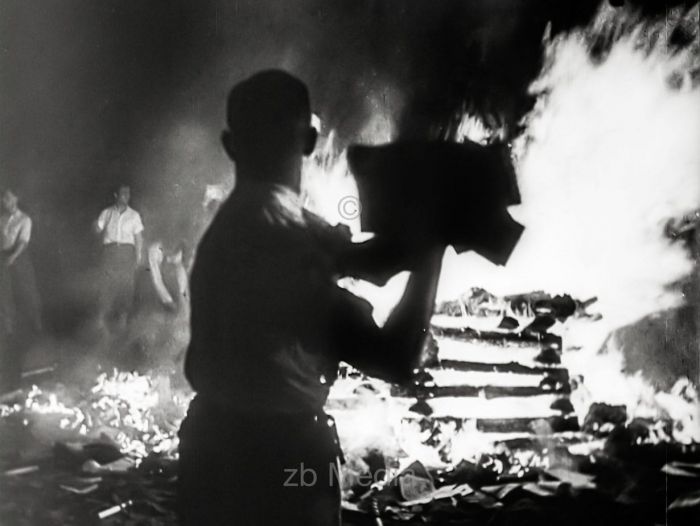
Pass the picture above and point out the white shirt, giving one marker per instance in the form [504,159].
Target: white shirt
[15,228]
[119,227]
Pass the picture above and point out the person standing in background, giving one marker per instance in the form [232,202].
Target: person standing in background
[20,310]
[165,282]
[121,231]
[159,329]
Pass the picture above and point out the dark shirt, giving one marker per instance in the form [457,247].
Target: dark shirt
[269,323]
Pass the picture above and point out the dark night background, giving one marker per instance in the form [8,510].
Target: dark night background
[94,93]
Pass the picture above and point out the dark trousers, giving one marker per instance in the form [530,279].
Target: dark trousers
[257,469]
[118,269]
[20,317]
[20,308]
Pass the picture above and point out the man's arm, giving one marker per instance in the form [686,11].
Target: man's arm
[391,352]
[375,260]
[19,247]
[406,330]
[158,284]
[21,243]
[101,222]
[138,238]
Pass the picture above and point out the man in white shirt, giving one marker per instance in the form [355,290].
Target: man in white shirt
[20,311]
[121,231]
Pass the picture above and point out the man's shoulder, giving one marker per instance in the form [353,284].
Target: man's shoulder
[19,218]
[132,212]
[22,216]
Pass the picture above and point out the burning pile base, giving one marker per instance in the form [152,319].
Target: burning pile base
[613,470]
[103,454]
[486,434]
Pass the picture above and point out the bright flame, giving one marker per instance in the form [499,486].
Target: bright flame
[139,413]
[326,181]
[609,155]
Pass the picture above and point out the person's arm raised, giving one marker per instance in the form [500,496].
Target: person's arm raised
[393,351]
[406,330]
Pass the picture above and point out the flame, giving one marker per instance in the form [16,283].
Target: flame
[326,181]
[139,413]
[609,155]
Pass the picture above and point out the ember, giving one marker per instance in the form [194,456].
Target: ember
[140,414]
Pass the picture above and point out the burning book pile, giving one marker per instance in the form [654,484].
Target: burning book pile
[136,413]
[560,140]
[93,454]
[487,430]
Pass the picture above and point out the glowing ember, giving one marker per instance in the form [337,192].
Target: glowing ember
[138,413]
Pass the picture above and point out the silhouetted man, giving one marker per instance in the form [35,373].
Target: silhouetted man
[121,231]
[269,325]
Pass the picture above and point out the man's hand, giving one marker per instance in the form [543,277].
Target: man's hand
[12,256]
[406,330]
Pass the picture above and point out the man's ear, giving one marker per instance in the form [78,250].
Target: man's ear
[227,142]
[310,140]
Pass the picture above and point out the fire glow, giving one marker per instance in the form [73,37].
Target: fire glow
[609,155]
[137,413]
[602,166]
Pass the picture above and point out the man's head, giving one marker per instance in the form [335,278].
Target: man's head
[9,200]
[269,125]
[122,195]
